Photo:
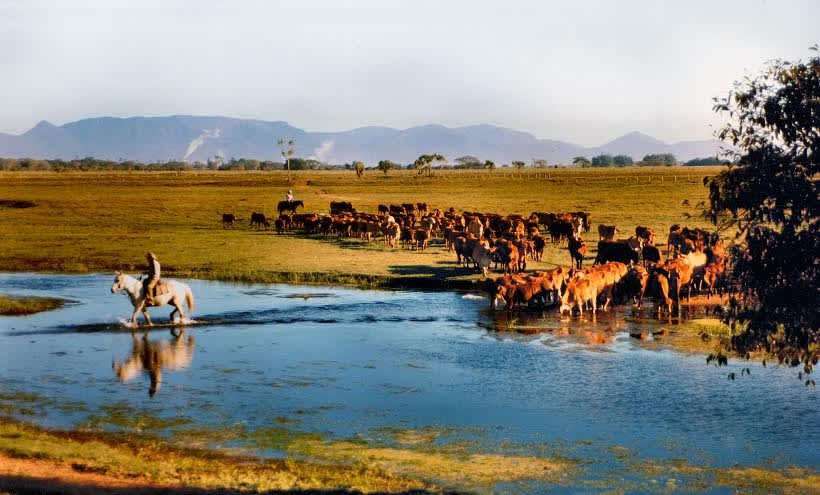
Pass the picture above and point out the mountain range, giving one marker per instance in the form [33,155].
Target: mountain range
[195,138]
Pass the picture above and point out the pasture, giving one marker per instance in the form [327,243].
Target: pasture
[98,221]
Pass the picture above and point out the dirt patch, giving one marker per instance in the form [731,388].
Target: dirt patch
[31,474]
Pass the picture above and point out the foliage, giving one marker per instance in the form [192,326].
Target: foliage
[467,161]
[602,160]
[655,159]
[622,160]
[709,160]
[489,165]
[424,163]
[359,168]
[581,161]
[518,164]
[385,165]
[287,149]
[770,196]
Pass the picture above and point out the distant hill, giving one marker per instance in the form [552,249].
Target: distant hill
[193,138]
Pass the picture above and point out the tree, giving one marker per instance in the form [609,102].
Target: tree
[424,163]
[667,159]
[385,165]
[581,161]
[602,160]
[539,163]
[622,160]
[770,196]
[359,168]
[489,164]
[709,160]
[518,164]
[467,162]
[288,149]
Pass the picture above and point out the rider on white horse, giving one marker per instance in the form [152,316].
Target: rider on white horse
[174,293]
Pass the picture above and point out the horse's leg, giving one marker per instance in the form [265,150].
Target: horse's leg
[139,308]
[178,308]
[147,316]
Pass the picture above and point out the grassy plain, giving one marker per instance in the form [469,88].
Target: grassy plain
[104,221]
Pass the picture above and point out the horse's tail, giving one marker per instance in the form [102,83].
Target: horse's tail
[189,299]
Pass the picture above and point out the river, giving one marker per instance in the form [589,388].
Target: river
[349,363]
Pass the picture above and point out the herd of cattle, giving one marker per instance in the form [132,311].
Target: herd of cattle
[631,268]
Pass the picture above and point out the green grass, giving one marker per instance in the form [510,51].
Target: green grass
[86,222]
[20,306]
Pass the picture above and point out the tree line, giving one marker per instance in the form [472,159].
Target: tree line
[423,163]
[650,160]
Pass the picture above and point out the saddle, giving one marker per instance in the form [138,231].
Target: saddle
[161,288]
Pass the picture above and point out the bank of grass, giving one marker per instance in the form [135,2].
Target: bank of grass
[414,461]
[90,222]
[146,460]
[26,305]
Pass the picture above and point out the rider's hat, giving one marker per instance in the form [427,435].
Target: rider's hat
[151,255]
[289,191]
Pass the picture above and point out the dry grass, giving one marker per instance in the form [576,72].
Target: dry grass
[105,221]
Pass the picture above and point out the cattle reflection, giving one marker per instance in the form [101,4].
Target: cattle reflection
[154,356]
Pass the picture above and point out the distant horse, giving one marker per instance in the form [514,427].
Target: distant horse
[174,294]
[290,206]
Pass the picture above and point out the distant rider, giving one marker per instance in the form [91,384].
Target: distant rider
[289,196]
[152,277]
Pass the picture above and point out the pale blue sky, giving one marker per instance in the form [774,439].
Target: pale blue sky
[585,72]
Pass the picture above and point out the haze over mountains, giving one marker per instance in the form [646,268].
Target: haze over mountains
[193,138]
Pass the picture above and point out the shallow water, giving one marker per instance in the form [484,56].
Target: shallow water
[348,362]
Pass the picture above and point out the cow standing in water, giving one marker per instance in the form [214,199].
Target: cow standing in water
[577,250]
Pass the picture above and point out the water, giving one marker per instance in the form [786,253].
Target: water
[348,362]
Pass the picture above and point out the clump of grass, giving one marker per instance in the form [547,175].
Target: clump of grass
[21,306]
[126,418]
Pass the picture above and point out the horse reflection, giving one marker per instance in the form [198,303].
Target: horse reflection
[153,356]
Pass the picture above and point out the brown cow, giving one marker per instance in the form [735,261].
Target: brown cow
[579,293]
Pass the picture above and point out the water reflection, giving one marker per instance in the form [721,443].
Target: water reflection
[152,356]
[599,329]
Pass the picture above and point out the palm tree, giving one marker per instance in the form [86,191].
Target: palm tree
[288,150]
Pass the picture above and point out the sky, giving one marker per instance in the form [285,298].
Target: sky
[578,71]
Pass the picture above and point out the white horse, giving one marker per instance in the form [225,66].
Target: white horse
[177,292]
